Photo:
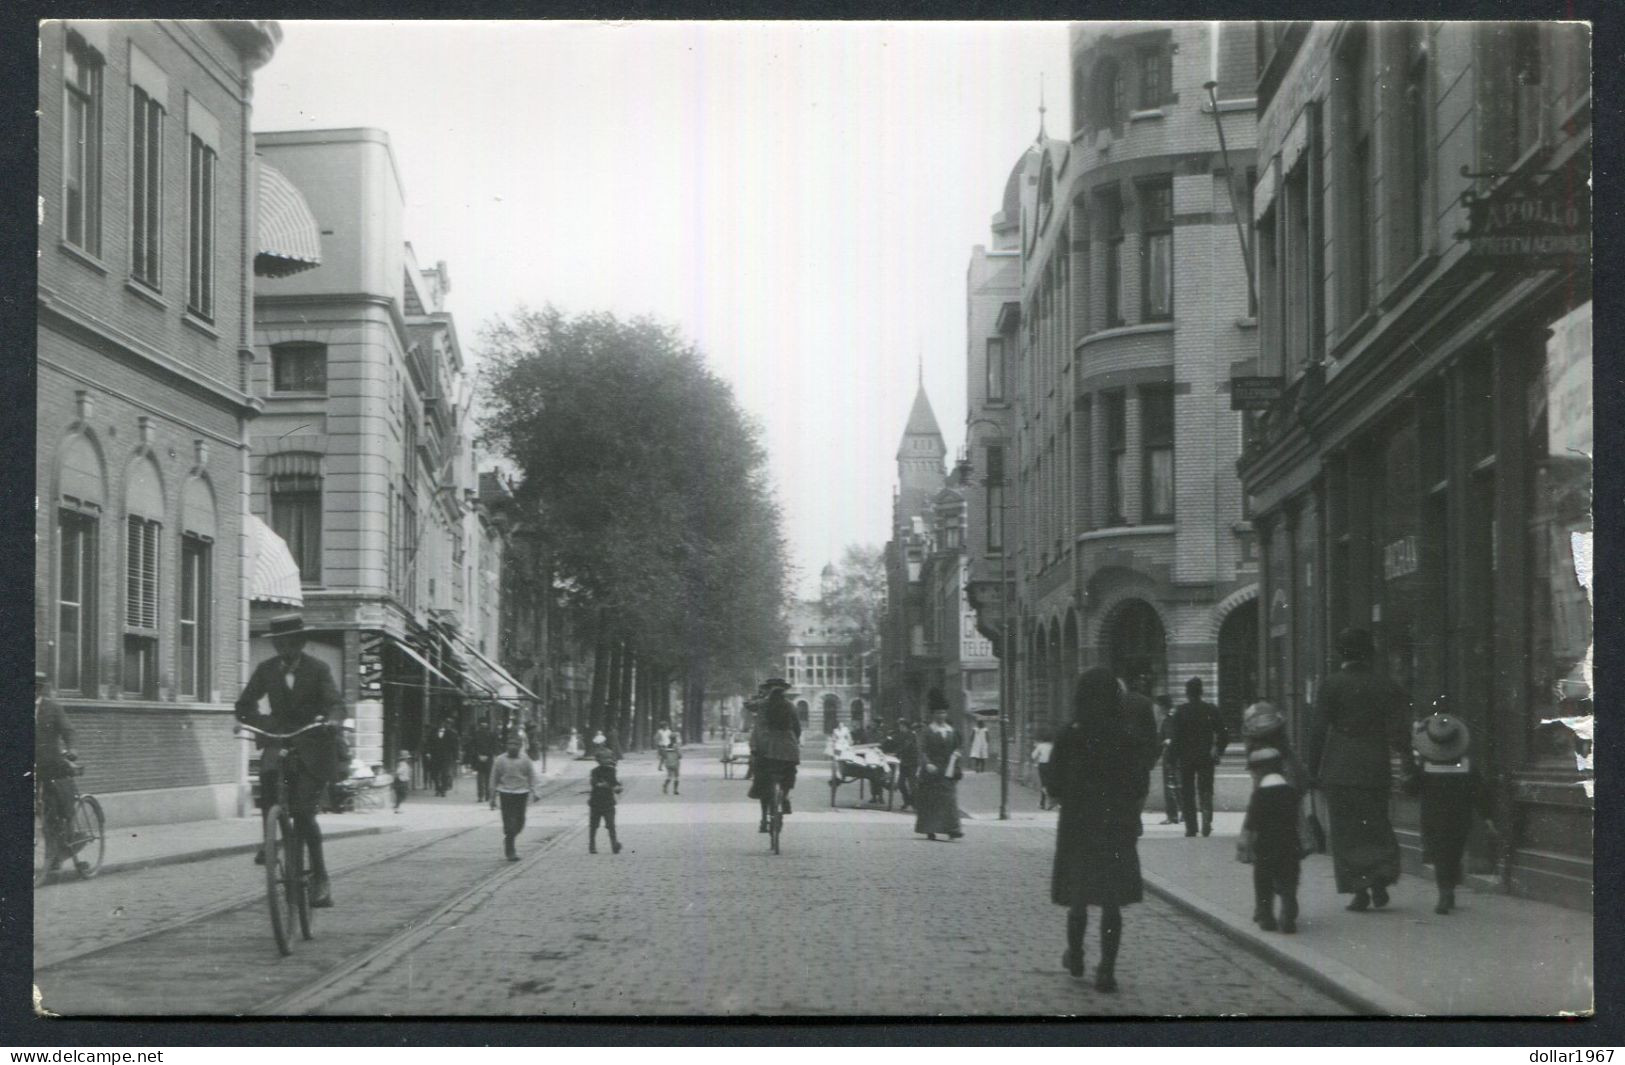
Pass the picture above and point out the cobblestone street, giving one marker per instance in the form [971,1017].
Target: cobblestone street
[857,916]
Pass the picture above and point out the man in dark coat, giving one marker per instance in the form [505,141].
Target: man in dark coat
[301,691]
[1360,716]
[54,766]
[443,747]
[905,745]
[482,748]
[1198,738]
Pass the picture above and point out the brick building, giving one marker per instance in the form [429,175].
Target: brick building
[909,657]
[147,198]
[1423,241]
[1134,549]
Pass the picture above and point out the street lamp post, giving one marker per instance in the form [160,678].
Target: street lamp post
[1007,677]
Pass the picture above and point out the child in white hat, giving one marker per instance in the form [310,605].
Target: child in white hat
[1450,792]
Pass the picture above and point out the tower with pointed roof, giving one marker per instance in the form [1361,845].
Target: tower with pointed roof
[920,461]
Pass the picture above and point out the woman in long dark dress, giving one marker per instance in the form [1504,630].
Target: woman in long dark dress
[1100,772]
[936,793]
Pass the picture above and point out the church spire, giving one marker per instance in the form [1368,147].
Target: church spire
[1042,135]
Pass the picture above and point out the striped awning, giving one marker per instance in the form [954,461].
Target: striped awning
[273,574]
[289,238]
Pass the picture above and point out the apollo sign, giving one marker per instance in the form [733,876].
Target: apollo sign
[1530,228]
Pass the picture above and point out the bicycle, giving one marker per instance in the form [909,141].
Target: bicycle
[775,817]
[287,881]
[85,839]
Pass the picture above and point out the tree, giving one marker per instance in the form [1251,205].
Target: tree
[858,593]
[648,483]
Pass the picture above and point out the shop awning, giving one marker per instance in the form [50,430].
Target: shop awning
[273,576]
[289,240]
[502,674]
[466,687]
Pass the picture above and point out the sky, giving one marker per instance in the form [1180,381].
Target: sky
[799,199]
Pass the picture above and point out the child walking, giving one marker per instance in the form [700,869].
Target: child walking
[403,778]
[674,759]
[1272,819]
[1450,792]
[601,802]
[513,782]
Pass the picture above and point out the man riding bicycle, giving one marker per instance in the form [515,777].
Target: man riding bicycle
[54,768]
[301,691]
[775,746]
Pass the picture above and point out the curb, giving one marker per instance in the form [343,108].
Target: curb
[1332,978]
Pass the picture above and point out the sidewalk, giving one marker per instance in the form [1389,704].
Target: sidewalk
[145,846]
[1497,954]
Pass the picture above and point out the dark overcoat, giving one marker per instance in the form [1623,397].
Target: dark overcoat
[312,695]
[1360,717]
[1100,776]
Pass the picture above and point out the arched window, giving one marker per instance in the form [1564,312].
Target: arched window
[143,529]
[194,616]
[78,525]
[294,483]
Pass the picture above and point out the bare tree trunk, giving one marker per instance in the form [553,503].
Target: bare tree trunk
[600,686]
[612,686]
[623,714]
[640,709]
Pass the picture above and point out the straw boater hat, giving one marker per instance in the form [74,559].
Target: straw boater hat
[288,625]
[1260,720]
[1440,738]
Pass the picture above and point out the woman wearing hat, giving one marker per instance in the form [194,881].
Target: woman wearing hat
[1361,715]
[1100,772]
[1450,793]
[936,793]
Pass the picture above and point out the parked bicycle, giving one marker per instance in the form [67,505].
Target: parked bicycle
[287,881]
[67,828]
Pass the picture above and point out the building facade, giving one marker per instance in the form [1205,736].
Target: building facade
[909,657]
[825,667]
[147,246]
[361,460]
[1422,235]
[1134,548]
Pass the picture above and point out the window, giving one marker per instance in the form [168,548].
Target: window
[1357,243]
[1295,278]
[1111,215]
[1116,456]
[995,368]
[1155,85]
[146,187]
[141,607]
[194,617]
[407,554]
[299,366]
[1157,444]
[76,602]
[1414,201]
[1157,251]
[995,499]
[200,230]
[1269,294]
[1247,220]
[1109,102]
[82,148]
[296,516]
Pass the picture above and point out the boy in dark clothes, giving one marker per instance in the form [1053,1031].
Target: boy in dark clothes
[1450,792]
[1272,818]
[601,802]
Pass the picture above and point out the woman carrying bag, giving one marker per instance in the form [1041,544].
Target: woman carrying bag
[936,796]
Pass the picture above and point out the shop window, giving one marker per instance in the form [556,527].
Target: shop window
[1116,456]
[82,145]
[1157,250]
[194,620]
[141,565]
[1157,446]
[200,217]
[146,188]
[76,601]
[299,366]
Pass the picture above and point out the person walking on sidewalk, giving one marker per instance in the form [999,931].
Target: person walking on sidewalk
[1451,792]
[301,691]
[978,747]
[673,758]
[603,787]
[1263,726]
[1360,716]
[1198,739]
[905,746]
[1100,772]
[482,749]
[1043,751]
[1271,828]
[514,782]
[403,778]
[443,747]
[1163,707]
[938,784]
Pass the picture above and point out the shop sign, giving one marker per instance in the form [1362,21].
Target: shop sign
[371,662]
[1399,559]
[1517,226]
[1255,393]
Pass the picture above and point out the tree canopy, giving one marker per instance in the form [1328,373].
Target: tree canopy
[857,594]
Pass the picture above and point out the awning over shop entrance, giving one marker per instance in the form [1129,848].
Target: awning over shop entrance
[509,688]
[273,574]
[468,688]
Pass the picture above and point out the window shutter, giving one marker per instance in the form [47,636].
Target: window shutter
[141,575]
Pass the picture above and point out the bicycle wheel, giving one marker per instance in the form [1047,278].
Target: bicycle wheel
[276,879]
[42,846]
[775,824]
[89,836]
[298,879]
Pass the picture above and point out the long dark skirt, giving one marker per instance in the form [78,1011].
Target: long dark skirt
[1365,852]
[937,807]
[1094,870]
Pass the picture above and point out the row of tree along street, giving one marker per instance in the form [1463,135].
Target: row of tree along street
[648,485]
